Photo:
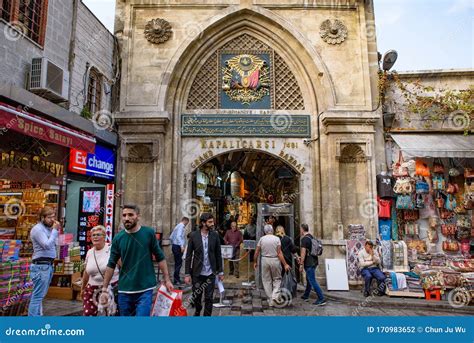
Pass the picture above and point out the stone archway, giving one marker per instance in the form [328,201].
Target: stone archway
[273,31]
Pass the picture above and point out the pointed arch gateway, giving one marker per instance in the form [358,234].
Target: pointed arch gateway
[300,86]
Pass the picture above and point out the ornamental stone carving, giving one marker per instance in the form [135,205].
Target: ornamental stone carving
[158,31]
[333,32]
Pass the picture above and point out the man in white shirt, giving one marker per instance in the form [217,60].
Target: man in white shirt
[369,262]
[178,242]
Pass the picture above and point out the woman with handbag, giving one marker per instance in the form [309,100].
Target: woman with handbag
[96,262]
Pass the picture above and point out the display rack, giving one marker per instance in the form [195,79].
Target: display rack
[67,291]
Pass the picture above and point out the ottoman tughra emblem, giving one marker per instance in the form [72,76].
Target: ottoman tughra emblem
[333,32]
[158,31]
[246,78]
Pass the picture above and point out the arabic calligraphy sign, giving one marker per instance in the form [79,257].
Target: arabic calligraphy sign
[243,126]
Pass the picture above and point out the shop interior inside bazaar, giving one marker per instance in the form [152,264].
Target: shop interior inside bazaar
[231,186]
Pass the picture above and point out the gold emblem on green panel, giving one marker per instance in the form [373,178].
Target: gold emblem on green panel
[246,78]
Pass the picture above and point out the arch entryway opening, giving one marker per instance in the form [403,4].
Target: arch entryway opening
[235,186]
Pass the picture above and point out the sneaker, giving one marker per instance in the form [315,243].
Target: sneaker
[320,302]
[305,298]
[366,294]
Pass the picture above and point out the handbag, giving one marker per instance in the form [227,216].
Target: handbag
[463,233]
[468,173]
[450,203]
[438,167]
[168,304]
[445,214]
[397,169]
[403,186]
[439,201]
[419,201]
[439,183]
[434,222]
[422,187]
[463,221]
[405,202]
[448,229]
[411,215]
[422,168]
[411,167]
[453,171]
[433,235]
[115,286]
[418,245]
[450,246]
[411,229]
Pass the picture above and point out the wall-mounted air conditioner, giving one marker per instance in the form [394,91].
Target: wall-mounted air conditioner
[48,80]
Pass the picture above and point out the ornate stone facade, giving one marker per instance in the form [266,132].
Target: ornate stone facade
[335,85]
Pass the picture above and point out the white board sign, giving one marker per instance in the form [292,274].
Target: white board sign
[336,275]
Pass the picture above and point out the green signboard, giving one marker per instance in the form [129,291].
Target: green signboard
[225,125]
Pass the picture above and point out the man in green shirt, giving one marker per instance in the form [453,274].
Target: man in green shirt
[135,246]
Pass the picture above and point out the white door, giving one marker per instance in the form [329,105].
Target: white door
[336,275]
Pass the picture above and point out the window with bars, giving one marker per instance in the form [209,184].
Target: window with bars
[28,16]
[94,91]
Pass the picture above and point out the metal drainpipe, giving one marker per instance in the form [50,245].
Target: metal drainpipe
[72,47]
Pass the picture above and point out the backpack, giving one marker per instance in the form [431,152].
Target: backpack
[316,247]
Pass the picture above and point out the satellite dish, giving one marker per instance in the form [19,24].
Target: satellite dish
[389,59]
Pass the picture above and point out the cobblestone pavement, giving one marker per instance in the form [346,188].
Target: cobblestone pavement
[254,303]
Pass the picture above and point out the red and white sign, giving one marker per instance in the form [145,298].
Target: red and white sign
[109,212]
[38,127]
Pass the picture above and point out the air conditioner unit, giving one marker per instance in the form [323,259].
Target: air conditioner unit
[48,80]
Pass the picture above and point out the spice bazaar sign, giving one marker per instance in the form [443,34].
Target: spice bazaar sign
[266,145]
[14,159]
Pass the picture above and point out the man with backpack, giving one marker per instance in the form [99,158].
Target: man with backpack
[311,248]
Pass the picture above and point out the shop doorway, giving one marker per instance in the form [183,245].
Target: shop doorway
[242,186]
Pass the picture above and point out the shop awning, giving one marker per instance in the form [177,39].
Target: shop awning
[439,145]
[34,126]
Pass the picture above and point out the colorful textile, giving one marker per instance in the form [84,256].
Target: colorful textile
[356,232]
[384,207]
[394,223]
[393,277]
[352,250]
[386,254]
[465,266]
[385,229]
[400,256]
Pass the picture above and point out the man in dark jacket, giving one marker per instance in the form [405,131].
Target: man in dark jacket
[203,263]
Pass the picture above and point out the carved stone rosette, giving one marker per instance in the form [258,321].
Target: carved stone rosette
[158,31]
[333,32]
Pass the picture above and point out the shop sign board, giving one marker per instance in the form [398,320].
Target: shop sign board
[91,213]
[251,125]
[100,164]
[109,212]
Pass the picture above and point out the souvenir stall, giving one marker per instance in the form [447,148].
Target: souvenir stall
[16,286]
[427,205]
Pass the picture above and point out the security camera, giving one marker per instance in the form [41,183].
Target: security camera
[307,142]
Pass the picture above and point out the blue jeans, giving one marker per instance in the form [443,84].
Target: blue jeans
[368,274]
[41,275]
[311,282]
[178,261]
[135,304]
